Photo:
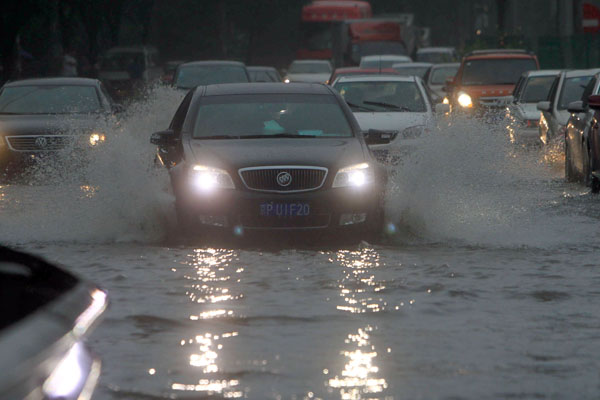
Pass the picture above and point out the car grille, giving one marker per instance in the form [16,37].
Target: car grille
[309,221]
[286,179]
[39,142]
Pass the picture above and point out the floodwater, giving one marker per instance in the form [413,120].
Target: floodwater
[487,285]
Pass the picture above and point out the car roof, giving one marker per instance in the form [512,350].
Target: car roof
[60,81]
[266,88]
[412,65]
[581,72]
[385,57]
[435,50]
[542,72]
[212,62]
[445,65]
[376,78]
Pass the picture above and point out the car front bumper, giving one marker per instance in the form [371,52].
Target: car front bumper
[235,210]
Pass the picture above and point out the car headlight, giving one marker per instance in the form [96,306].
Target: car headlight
[286,80]
[464,100]
[96,138]
[357,175]
[445,101]
[206,179]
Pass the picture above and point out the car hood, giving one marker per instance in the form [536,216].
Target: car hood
[487,90]
[233,154]
[50,124]
[395,121]
[310,78]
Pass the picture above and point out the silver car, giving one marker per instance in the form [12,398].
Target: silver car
[522,115]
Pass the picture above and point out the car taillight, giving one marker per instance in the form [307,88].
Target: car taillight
[532,123]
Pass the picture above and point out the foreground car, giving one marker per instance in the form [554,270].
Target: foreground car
[582,140]
[271,156]
[42,118]
[522,115]
[45,316]
[398,105]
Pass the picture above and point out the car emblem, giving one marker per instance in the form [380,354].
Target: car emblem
[284,179]
[41,142]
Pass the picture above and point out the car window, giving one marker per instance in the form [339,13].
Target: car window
[535,89]
[441,74]
[412,71]
[501,71]
[309,68]
[554,88]
[377,96]
[588,91]
[49,99]
[181,113]
[191,76]
[572,90]
[267,115]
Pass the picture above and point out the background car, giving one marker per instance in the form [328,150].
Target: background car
[264,74]
[197,73]
[486,77]
[437,76]
[353,71]
[311,71]
[412,69]
[292,158]
[126,70]
[399,105]
[522,115]
[582,144]
[47,117]
[436,55]
[383,61]
[566,88]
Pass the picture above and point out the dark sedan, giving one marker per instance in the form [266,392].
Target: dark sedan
[40,117]
[271,156]
[582,138]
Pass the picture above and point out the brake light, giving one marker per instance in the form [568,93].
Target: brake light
[532,123]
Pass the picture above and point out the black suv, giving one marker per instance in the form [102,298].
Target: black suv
[272,156]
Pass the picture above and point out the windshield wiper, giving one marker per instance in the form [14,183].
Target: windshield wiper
[218,137]
[278,135]
[387,105]
[352,105]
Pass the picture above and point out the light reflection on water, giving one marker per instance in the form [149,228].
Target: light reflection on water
[359,379]
[210,276]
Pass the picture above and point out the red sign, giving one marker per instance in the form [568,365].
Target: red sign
[591,18]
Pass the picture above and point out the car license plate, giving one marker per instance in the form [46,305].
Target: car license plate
[273,209]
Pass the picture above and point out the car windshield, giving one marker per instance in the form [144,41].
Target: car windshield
[198,75]
[378,63]
[273,115]
[412,71]
[572,90]
[536,89]
[309,68]
[499,71]
[125,61]
[377,96]
[436,57]
[440,75]
[263,76]
[49,99]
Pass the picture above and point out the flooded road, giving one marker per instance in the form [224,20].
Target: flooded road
[486,286]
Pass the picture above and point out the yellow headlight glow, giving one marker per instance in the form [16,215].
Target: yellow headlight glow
[96,138]
[464,100]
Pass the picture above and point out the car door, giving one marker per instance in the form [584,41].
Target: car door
[171,155]
[545,117]
[578,130]
[552,118]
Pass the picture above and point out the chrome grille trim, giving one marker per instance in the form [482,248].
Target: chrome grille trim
[288,168]
[26,143]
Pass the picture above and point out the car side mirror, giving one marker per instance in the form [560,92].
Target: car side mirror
[375,136]
[448,85]
[543,106]
[164,138]
[441,108]
[594,102]
[576,107]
